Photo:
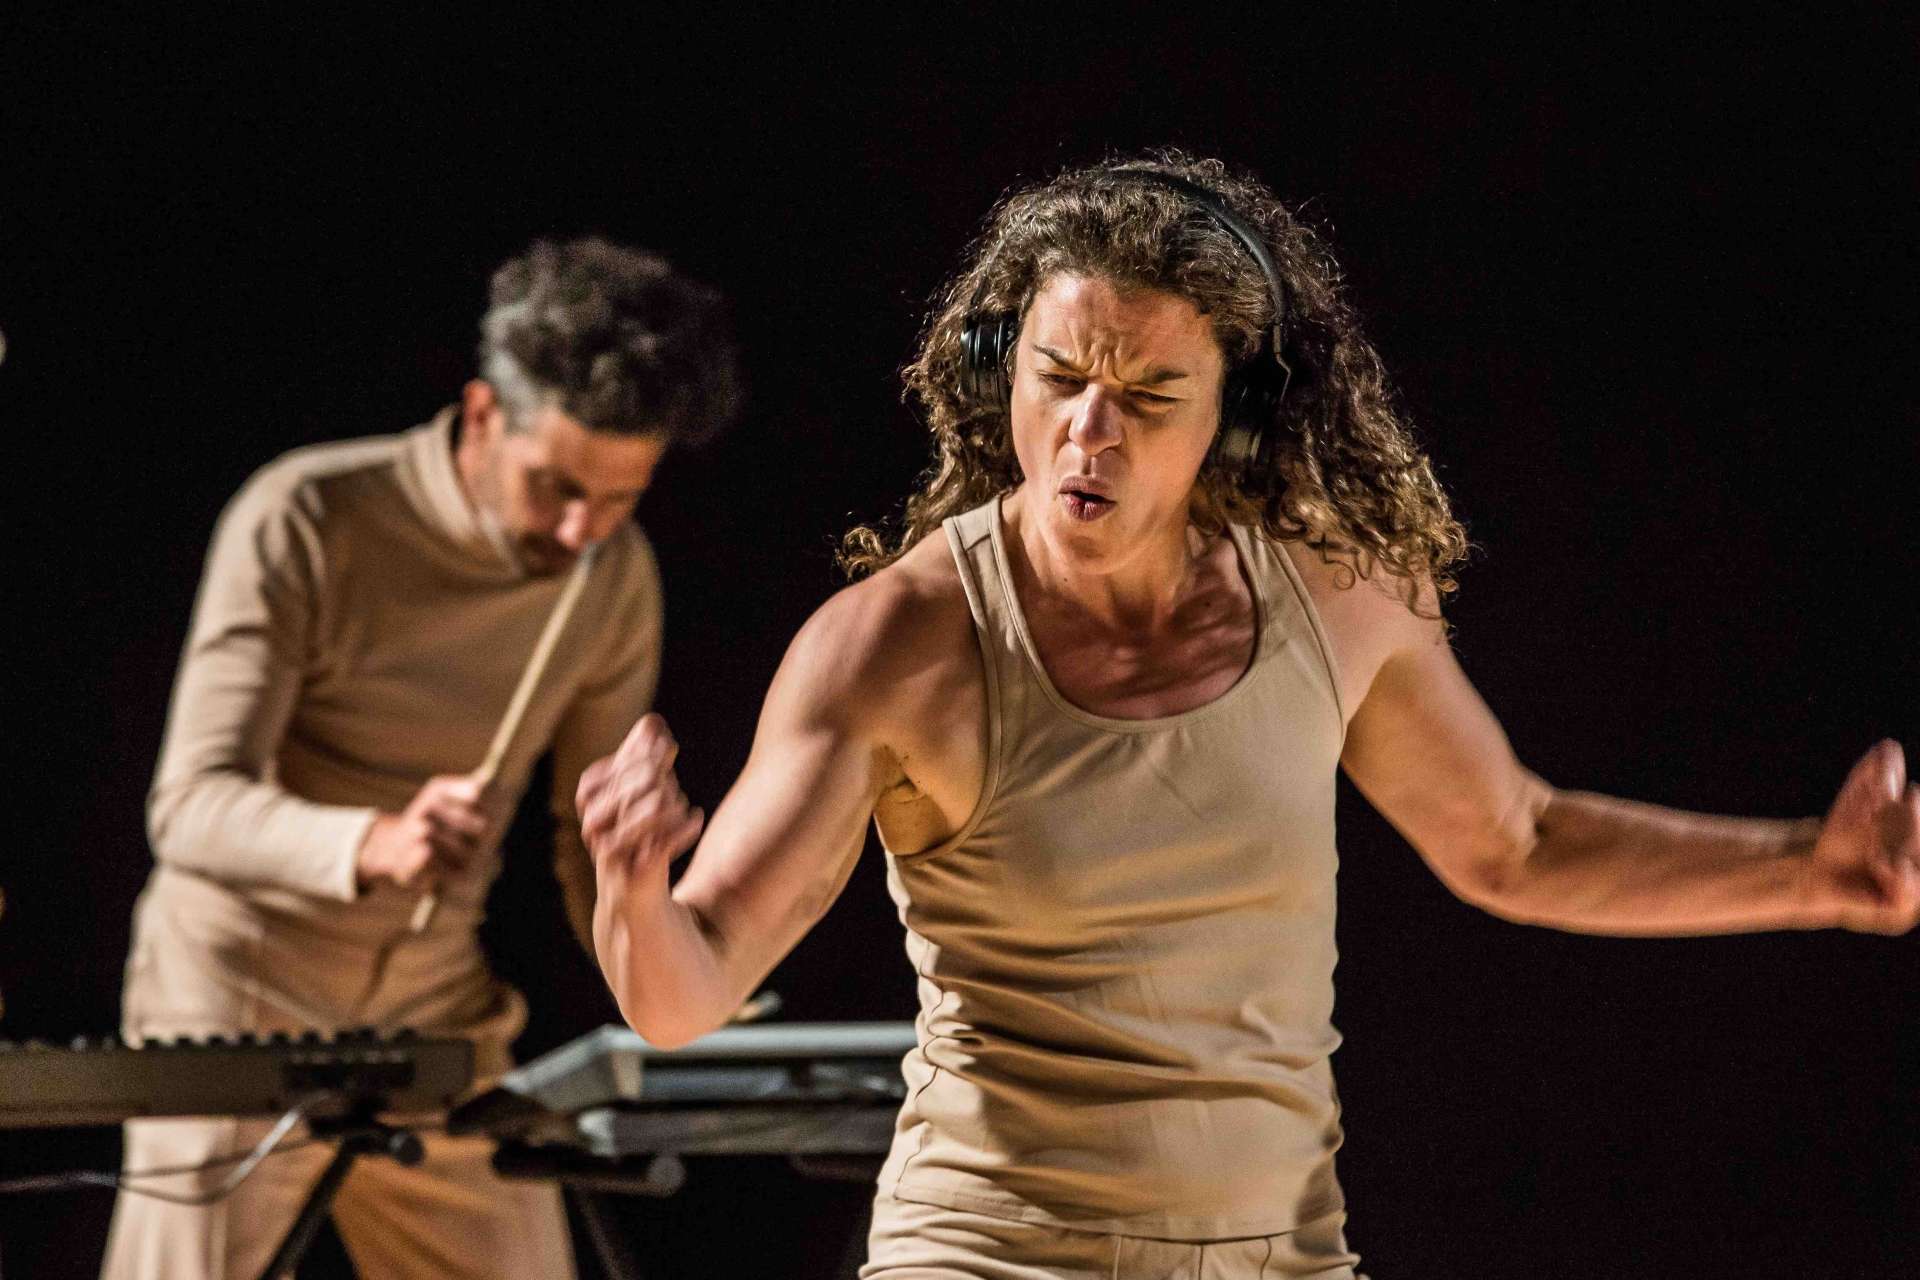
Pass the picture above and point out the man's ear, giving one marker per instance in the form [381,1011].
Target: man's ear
[481,417]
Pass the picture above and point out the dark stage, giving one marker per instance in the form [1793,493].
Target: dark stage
[1645,286]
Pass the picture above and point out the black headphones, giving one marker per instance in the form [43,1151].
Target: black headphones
[1252,391]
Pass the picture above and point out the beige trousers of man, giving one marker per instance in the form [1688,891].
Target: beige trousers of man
[927,1242]
[449,1216]
[206,963]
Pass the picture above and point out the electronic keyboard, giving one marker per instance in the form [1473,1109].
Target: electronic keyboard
[789,1088]
[103,1082]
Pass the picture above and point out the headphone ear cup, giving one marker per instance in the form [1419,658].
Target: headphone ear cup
[1244,415]
[984,343]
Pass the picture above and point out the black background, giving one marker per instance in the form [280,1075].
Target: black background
[1647,291]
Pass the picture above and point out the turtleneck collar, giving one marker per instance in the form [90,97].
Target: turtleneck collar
[433,484]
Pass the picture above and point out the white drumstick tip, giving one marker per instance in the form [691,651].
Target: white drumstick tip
[762,1006]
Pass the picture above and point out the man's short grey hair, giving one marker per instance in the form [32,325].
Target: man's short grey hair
[614,338]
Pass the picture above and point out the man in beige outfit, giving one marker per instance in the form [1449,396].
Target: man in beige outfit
[1179,562]
[366,612]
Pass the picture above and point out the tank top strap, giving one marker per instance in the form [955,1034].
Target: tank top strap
[970,535]
[1287,611]
[1018,691]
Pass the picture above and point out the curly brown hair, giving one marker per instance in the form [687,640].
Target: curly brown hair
[1345,477]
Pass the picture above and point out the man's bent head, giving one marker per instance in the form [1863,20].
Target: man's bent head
[594,359]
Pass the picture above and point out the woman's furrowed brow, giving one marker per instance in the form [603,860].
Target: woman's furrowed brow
[1157,376]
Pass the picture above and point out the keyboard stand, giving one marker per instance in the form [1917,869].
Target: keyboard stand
[358,1134]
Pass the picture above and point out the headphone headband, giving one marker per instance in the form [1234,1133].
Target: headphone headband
[1211,203]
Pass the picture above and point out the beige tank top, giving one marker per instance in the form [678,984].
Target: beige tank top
[1125,956]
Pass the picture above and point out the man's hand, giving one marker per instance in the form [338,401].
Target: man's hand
[633,814]
[1865,870]
[436,835]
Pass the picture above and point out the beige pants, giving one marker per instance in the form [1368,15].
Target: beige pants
[449,1216]
[927,1242]
[206,963]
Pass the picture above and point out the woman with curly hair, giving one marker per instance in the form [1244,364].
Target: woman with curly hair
[1177,562]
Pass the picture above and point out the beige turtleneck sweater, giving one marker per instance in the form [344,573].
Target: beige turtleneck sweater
[358,630]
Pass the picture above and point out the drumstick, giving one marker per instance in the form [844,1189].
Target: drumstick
[503,735]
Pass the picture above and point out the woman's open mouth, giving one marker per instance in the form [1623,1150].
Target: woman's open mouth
[1086,506]
[1085,497]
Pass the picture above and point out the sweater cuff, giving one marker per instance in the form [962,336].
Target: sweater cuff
[332,869]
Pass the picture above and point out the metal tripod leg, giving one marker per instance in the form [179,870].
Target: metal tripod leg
[358,1137]
[616,1259]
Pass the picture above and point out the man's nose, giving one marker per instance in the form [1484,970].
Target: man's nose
[575,530]
[1096,421]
